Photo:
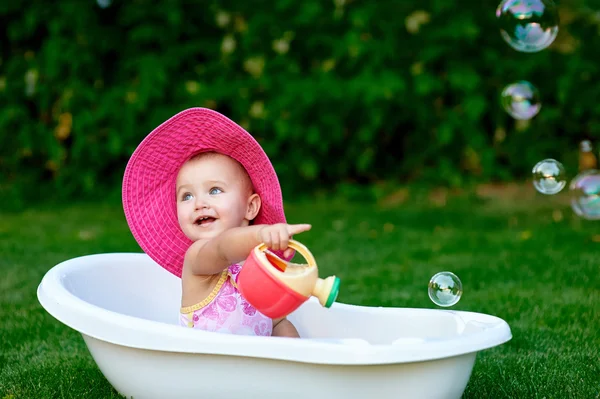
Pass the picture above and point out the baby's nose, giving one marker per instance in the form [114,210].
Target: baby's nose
[201,202]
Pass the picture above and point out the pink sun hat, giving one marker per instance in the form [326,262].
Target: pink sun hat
[149,198]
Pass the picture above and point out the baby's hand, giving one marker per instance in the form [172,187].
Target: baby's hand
[277,236]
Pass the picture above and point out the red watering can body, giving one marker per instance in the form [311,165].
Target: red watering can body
[276,287]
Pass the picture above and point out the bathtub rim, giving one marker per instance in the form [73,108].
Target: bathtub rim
[134,332]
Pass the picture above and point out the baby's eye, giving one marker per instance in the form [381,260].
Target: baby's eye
[214,190]
[186,197]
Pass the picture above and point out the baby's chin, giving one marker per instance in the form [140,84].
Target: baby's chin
[196,235]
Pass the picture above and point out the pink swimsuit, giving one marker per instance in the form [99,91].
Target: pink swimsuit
[226,311]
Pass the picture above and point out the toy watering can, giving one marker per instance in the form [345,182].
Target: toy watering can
[276,287]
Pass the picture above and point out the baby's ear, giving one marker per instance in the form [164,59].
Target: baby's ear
[253,206]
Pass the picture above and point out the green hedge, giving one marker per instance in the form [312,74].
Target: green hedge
[335,91]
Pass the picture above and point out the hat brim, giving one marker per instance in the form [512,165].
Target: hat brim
[149,199]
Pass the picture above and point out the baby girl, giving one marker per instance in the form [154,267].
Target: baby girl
[199,194]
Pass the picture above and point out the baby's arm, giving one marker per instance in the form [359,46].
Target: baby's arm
[234,245]
[284,328]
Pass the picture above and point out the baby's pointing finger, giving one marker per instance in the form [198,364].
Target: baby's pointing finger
[298,228]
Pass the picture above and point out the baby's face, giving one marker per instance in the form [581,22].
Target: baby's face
[213,195]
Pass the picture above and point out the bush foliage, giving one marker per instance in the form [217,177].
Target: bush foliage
[335,91]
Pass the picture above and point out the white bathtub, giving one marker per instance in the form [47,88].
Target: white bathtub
[125,306]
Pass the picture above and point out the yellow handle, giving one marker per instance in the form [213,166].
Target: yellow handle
[298,247]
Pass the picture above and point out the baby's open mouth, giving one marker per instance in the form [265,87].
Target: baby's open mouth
[204,220]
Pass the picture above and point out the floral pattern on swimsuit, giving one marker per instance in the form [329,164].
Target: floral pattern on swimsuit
[226,311]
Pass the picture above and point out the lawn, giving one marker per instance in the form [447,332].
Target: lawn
[523,257]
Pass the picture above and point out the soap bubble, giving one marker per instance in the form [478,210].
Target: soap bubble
[528,25]
[445,289]
[521,100]
[585,194]
[549,176]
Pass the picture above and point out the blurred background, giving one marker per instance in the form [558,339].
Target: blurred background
[347,96]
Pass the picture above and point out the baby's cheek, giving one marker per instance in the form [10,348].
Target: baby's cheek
[180,215]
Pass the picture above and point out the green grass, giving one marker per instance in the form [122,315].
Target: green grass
[527,260]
